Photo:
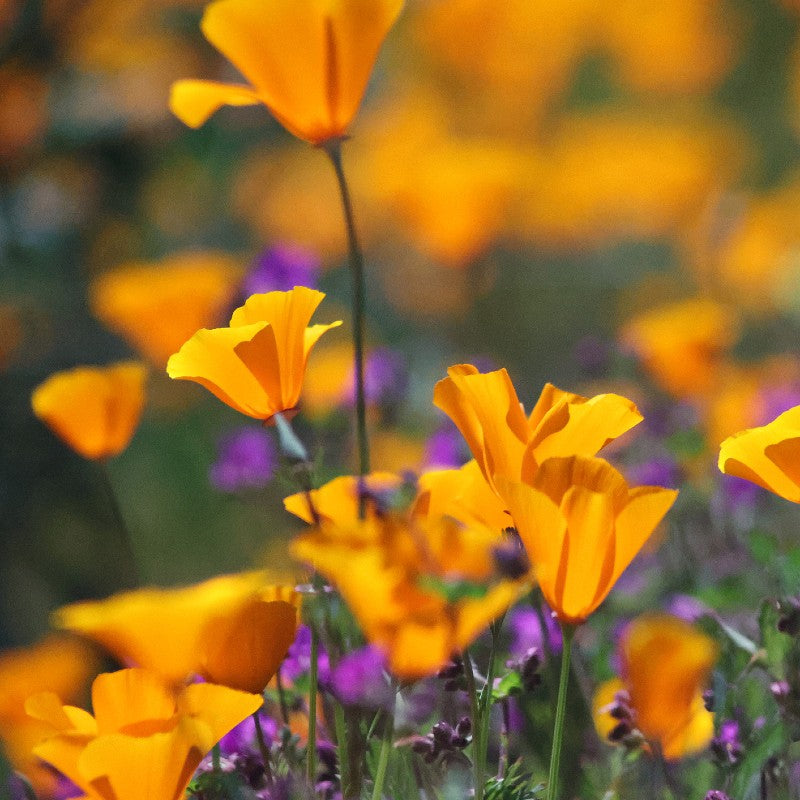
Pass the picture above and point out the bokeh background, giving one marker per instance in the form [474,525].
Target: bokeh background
[534,183]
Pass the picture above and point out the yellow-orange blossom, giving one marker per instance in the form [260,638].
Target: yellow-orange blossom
[308,61]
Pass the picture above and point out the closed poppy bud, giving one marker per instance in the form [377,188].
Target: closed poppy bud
[94,410]
[257,364]
[308,61]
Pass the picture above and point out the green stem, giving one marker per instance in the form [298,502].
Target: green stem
[262,747]
[282,697]
[383,757]
[486,697]
[567,633]
[479,764]
[341,743]
[126,541]
[334,150]
[215,757]
[311,749]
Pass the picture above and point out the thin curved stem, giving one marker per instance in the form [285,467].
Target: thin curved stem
[478,762]
[567,634]
[262,747]
[334,150]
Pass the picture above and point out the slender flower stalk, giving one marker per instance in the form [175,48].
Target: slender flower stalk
[126,540]
[479,765]
[567,633]
[311,753]
[262,747]
[340,726]
[333,148]
[383,757]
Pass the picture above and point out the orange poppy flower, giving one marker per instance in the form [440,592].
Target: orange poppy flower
[505,442]
[157,307]
[422,590]
[143,740]
[582,525]
[308,61]
[665,666]
[681,345]
[94,410]
[57,664]
[257,364]
[768,456]
[182,632]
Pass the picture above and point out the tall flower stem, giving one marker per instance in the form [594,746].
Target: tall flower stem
[262,747]
[383,757]
[311,752]
[129,558]
[478,753]
[567,633]
[333,148]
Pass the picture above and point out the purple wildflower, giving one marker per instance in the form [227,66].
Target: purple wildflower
[298,659]
[246,460]
[243,737]
[360,679]
[445,448]
[726,746]
[526,627]
[662,470]
[686,607]
[385,379]
[281,268]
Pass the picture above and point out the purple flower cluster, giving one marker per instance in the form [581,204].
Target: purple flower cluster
[246,460]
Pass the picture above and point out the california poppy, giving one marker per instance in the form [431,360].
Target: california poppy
[768,456]
[257,364]
[665,665]
[505,442]
[308,61]
[144,738]
[582,525]
[58,663]
[148,303]
[421,589]
[189,631]
[95,410]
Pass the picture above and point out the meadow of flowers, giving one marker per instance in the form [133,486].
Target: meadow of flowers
[400,400]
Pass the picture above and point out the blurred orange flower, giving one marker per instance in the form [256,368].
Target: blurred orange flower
[157,307]
[57,664]
[257,364]
[682,344]
[665,666]
[768,456]
[307,61]
[143,737]
[95,410]
[505,442]
[233,629]
[420,589]
[581,526]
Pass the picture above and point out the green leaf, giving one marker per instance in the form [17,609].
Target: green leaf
[509,685]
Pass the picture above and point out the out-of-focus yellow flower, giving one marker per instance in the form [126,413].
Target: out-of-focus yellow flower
[57,664]
[606,176]
[672,46]
[488,52]
[257,364]
[753,248]
[327,378]
[768,456]
[337,501]
[505,442]
[95,410]
[681,345]
[157,307]
[462,494]
[234,629]
[308,61]
[581,526]
[452,194]
[665,666]
[420,589]
[143,739]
